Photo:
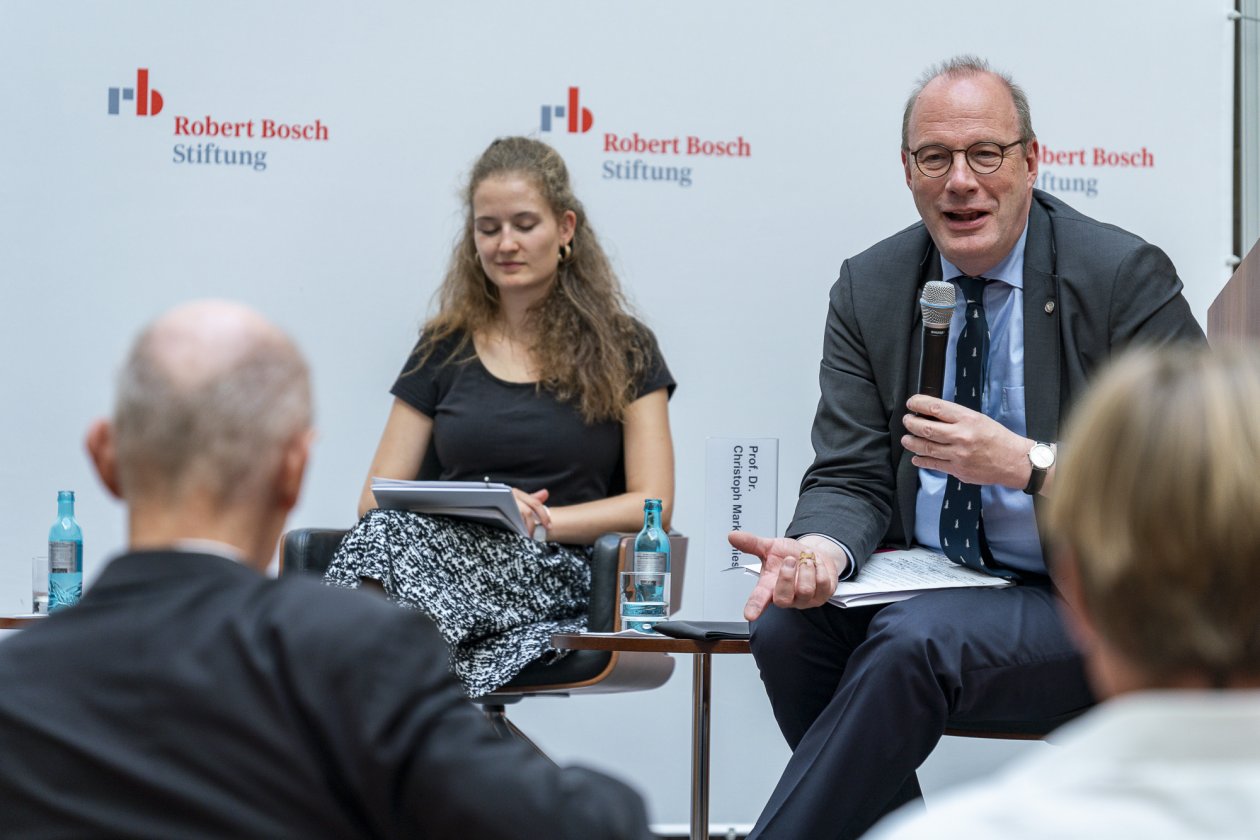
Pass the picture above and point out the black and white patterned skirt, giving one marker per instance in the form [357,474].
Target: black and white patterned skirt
[496,597]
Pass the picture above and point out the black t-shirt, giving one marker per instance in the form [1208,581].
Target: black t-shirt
[514,432]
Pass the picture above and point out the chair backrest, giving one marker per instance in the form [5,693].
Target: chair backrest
[309,550]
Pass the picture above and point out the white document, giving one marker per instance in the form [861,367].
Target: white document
[889,576]
[480,501]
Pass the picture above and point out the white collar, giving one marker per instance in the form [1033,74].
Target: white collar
[203,546]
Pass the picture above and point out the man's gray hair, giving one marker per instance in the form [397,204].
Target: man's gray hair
[969,65]
[220,433]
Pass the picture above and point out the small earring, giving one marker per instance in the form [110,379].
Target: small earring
[566,253]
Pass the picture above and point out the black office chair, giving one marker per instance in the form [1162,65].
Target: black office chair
[310,550]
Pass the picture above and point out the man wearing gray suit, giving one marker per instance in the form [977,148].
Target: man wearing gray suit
[863,695]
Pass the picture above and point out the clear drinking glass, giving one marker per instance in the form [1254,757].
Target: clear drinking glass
[644,600]
[39,584]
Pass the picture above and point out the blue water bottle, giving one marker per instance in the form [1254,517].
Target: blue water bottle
[65,556]
[651,571]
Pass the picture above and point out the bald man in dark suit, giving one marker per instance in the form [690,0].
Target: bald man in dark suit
[188,695]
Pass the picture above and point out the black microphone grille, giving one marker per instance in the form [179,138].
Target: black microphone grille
[937,303]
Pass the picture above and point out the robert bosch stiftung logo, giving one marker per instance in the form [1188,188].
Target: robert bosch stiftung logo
[215,139]
[148,101]
[648,156]
[580,119]
[1077,170]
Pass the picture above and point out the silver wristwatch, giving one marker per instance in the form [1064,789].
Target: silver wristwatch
[1041,456]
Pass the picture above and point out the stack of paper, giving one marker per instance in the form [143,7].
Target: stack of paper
[896,575]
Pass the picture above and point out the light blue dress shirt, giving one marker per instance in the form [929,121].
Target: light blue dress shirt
[1010,526]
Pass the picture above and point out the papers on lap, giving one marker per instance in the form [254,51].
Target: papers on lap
[480,501]
[896,575]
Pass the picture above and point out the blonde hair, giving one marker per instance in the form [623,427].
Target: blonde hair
[591,351]
[1158,497]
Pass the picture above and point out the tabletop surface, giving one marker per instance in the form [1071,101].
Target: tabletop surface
[650,644]
[564,641]
[16,622]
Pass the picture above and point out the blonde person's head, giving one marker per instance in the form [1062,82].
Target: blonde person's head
[1157,508]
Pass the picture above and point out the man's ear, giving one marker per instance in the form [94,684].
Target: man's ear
[100,447]
[297,453]
[1032,158]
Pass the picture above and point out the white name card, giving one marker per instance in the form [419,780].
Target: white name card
[741,494]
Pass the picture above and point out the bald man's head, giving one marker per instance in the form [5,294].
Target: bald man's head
[207,399]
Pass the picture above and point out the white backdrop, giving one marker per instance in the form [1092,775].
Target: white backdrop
[342,241]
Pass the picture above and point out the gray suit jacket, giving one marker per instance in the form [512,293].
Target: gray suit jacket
[1090,289]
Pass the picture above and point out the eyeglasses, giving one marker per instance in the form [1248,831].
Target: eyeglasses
[984,157]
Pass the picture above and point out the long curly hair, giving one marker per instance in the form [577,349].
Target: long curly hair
[592,352]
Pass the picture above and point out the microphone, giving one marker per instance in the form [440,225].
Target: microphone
[937,304]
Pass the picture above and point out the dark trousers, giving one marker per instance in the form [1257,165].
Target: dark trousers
[863,695]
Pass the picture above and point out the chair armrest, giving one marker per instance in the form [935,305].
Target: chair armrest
[309,550]
[605,564]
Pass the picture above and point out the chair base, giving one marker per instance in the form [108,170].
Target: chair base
[496,713]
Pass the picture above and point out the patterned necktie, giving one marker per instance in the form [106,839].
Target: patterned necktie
[960,511]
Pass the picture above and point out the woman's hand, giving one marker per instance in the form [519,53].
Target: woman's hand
[533,511]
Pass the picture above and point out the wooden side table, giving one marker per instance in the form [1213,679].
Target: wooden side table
[701,687]
[17,622]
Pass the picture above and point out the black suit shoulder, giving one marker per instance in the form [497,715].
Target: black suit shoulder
[877,289]
[264,708]
[1066,217]
[304,606]
[1114,289]
[902,253]
[1086,248]
[315,635]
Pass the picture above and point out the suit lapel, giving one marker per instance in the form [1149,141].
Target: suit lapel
[1041,329]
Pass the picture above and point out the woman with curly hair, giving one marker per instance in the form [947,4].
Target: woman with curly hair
[532,373]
